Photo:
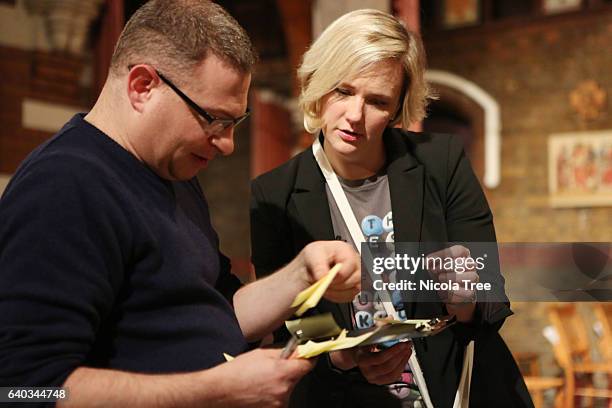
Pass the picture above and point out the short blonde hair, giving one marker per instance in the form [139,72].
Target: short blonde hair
[348,47]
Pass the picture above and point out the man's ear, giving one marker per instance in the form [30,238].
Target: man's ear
[141,80]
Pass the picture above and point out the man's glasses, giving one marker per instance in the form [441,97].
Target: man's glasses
[215,125]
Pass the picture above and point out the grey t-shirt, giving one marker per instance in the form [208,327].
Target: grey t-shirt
[370,201]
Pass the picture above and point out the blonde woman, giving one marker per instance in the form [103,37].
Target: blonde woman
[362,86]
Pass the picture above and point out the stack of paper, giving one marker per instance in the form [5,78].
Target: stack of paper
[387,330]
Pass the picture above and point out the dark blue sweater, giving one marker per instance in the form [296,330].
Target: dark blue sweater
[105,264]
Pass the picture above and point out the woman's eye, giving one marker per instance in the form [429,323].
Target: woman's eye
[379,102]
[343,91]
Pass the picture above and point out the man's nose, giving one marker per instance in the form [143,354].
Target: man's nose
[224,142]
[354,110]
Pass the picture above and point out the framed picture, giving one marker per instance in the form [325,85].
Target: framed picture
[560,6]
[460,13]
[580,169]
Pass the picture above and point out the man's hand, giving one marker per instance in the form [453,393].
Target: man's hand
[461,302]
[260,378]
[262,306]
[378,367]
[318,258]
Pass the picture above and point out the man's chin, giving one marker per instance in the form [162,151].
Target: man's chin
[183,174]
[199,161]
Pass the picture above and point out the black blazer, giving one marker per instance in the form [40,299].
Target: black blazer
[435,197]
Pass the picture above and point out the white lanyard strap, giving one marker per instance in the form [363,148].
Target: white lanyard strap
[338,193]
[462,398]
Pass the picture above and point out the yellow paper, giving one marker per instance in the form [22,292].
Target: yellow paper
[306,293]
[228,357]
[417,322]
[309,297]
[313,349]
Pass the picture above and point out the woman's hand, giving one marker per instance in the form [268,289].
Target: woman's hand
[378,367]
[461,302]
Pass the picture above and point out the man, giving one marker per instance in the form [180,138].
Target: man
[112,282]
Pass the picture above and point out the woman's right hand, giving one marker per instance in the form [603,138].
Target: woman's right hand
[378,367]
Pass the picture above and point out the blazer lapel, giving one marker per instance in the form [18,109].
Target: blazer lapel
[406,188]
[311,203]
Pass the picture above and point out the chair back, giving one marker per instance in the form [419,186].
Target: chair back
[573,344]
[603,314]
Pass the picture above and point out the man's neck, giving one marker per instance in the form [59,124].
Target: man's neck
[356,168]
[97,118]
[109,123]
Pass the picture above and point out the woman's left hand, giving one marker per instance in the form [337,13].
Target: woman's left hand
[459,302]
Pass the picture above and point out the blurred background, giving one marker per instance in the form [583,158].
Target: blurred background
[525,83]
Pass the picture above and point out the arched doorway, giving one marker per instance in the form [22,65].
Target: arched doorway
[465,109]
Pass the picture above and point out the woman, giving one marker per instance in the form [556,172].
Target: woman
[360,79]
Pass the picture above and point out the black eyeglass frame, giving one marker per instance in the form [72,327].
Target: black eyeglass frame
[211,119]
[215,124]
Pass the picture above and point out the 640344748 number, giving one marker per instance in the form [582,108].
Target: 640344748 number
[32,394]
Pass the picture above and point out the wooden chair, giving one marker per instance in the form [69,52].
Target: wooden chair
[529,365]
[572,352]
[603,314]
[537,385]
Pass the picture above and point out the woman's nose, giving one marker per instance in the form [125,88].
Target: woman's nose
[354,110]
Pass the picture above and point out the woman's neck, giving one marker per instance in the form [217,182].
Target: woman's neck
[354,167]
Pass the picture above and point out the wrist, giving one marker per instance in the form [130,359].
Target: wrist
[464,312]
[292,278]
[214,387]
[297,273]
[341,361]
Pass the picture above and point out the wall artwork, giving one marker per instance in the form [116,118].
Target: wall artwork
[580,169]
[560,6]
[588,100]
[460,13]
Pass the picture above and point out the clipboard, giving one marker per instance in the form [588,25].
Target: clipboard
[319,334]
[394,331]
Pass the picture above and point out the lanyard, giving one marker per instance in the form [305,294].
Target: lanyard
[357,235]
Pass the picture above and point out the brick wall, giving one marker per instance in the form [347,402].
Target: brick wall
[530,69]
[36,76]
